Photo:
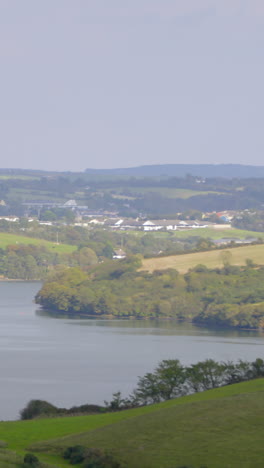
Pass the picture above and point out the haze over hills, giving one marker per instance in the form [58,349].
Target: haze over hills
[181,170]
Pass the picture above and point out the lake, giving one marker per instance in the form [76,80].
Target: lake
[70,362]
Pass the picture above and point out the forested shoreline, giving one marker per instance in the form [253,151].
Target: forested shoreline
[231,296]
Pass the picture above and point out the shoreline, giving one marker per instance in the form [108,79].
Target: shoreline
[7,280]
[73,315]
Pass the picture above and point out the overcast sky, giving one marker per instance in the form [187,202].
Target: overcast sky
[119,83]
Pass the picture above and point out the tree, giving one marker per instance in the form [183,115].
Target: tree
[86,257]
[30,461]
[30,268]
[108,250]
[48,215]
[226,257]
[166,382]
[36,408]
[205,375]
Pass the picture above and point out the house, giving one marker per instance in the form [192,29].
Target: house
[170,225]
[10,219]
[119,254]
[228,240]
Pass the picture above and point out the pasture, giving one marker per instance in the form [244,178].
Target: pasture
[211,259]
[12,239]
[217,428]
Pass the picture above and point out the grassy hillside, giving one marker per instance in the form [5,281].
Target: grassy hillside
[217,428]
[11,239]
[220,232]
[211,259]
[211,233]
[163,191]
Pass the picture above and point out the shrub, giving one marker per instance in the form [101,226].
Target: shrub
[30,461]
[98,459]
[75,454]
[37,408]
[89,457]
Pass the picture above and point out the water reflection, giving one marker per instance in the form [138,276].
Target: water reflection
[150,326]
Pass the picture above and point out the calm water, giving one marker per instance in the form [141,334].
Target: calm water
[70,362]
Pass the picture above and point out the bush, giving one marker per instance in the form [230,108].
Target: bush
[37,408]
[98,459]
[30,461]
[75,454]
[90,457]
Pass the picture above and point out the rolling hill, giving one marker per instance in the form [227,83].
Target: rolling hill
[218,428]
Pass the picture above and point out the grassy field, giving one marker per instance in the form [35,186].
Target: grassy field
[11,239]
[18,177]
[204,232]
[218,428]
[219,233]
[170,192]
[163,191]
[28,194]
[211,259]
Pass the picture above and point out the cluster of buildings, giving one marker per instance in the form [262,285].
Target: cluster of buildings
[86,217]
[130,224]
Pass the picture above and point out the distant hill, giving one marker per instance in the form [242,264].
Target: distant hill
[229,171]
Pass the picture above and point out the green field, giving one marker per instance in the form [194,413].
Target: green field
[28,194]
[211,258]
[218,428]
[219,233]
[163,191]
[18,177]
[208,233]
[12,239]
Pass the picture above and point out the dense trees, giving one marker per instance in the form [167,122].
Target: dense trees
[231,296]
[34,262]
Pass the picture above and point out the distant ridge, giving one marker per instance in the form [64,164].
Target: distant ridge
[229,171]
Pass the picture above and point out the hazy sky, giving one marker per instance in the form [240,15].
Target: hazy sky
[118,83]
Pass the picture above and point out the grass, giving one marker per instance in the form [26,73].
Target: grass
[18,177]
[11,239]
[35,195]
[218,428]
[170,192]
[212,259]
[203,232]
[207,428]
[163,191]
[219,233]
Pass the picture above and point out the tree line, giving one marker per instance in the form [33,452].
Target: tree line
[170,379]
[229,297]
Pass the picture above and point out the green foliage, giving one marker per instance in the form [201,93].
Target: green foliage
[165,383]
[171,379]
[231,296]
[89,457]
[75,454]
[31,461]
[36,408]
[42,408]
[226,257]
